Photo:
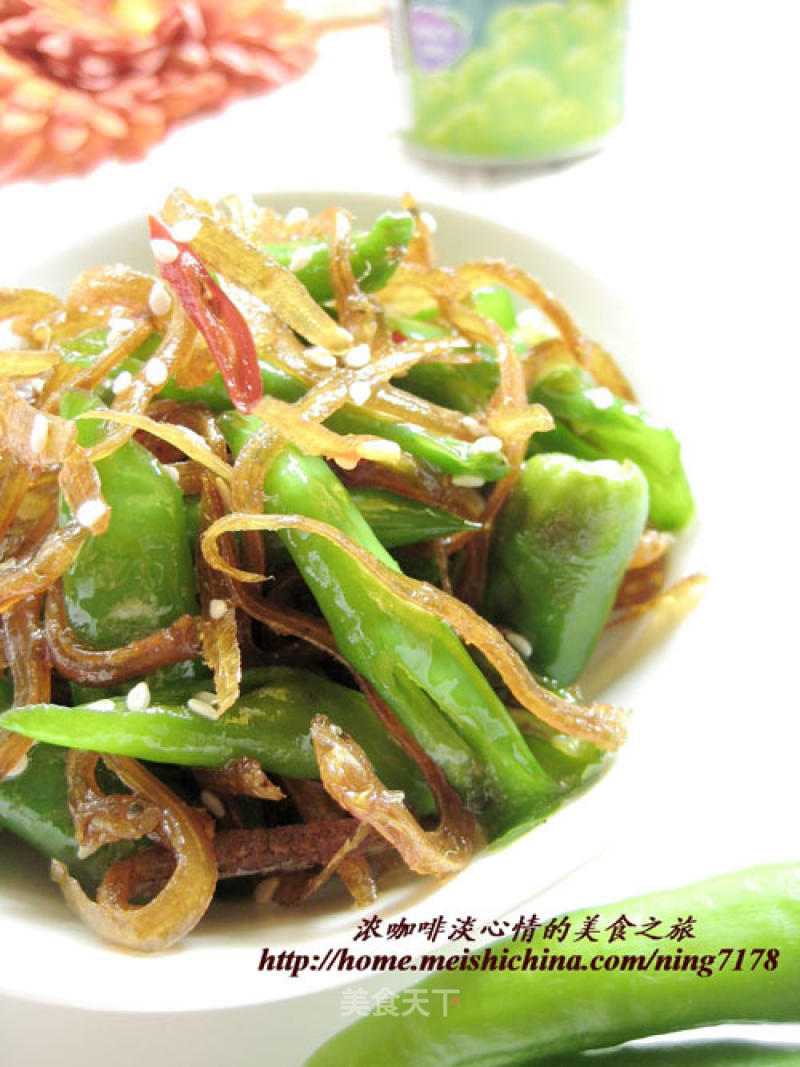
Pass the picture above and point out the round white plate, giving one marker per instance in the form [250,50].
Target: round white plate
[47,956]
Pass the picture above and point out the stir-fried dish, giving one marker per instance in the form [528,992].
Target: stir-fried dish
[305,542]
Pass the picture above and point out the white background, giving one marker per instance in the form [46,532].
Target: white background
[691,215]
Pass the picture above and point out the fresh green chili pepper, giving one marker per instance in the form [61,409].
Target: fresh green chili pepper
[697,1054]
[449,454]
[521,1016]
[568,760]
[33,805]
[495,303]
[375,256]
[414,660]
[558,554]
[397,520]
[137,576]
[608,427]
[271,724]
[465,388]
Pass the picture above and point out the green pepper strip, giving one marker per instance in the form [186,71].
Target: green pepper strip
[375,256]
[270,724]
[395,520]
[697,1054]
[448,454]
[559,551]
[138,576]
[33,805]
[593,423]
[413,659]
[519,1016]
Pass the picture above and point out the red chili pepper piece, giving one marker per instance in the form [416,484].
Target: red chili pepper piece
[216,317]
[398,337]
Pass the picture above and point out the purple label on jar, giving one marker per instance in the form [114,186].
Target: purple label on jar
[438,37]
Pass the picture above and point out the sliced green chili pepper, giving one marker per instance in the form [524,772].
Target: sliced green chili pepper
[559,551]
[608,427]
[495,303]
[138,576]
[271,724]
[520,1016]
[467,387]
[568,760]
[375,256]
[696,1054]
[449,454]
[413,659]
[33,805]
[397,520]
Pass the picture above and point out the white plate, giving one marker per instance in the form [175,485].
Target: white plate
[48,956]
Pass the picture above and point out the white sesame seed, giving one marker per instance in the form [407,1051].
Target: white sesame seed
[122,382]
[429,220]
[186,230]
[531,317]
[301,257]
[489,443]
[321,357]
[345,462]
[159,300]
[117,329]
[296,214]
[380,450]
[265,891]
[213,803]
[20,766]
[138,698]
[172,473]
[39,432]
[359,392]
[471,424]
[358,357]
[90,511]
[217,608]
[101,705]
[532,325]
[520,643]
[155,371]
[601,397]
[201,707]
[345,335]
[164,251]
[468,481]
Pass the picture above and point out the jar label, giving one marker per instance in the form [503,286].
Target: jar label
[439,36]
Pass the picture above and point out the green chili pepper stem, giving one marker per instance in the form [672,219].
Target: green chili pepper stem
[413,659]
[508,1017]
[270,724]
[559,551]
[375,256]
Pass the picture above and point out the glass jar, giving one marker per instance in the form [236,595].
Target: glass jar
[510,81]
